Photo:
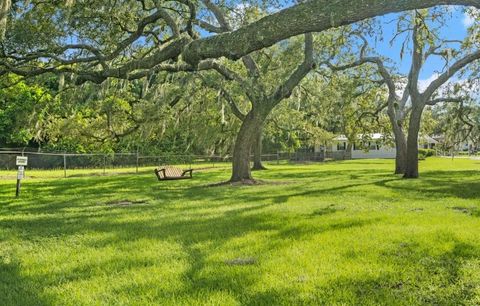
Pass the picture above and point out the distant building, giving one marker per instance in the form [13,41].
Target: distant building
[427,142]
[374,147]
[462,146]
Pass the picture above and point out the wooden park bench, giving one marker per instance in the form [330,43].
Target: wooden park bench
[172,173]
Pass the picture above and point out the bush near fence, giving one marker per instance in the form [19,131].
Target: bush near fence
[424,153]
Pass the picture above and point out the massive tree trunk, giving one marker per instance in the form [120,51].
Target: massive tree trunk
[411,167]
[349,148]
[400,151]
[400,143]
[257,151]
[243,145]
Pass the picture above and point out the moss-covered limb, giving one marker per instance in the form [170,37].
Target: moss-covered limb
[310,16]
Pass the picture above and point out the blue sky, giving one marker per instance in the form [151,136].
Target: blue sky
[455,29]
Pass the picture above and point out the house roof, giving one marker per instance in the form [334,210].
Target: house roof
[428,139]
[375,136]
[379,136]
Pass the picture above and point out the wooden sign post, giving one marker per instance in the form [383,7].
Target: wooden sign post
[22,161]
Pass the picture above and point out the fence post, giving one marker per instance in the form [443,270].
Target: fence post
[64,165]
[104,164]
[278,158]
[136,169]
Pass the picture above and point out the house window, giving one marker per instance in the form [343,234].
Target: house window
[372,146]
[341,146]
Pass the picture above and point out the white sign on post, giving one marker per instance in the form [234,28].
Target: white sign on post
[21,172]
[22,161]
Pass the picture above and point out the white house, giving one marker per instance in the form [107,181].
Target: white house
[375,147]
[463,146]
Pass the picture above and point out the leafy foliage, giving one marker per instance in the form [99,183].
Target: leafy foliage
[22,105]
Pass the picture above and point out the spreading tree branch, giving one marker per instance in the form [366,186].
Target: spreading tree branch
[451,71]
[233,106]
[306,17]
[285,90]
[445,100]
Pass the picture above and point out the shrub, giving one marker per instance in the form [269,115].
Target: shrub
[424,153]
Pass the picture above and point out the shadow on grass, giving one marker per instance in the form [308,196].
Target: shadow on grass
[438,281]
[16,289]
[64,195]
[172,215]
[188,232]
[329,210]
[440,184]
[48,194]
[179,212]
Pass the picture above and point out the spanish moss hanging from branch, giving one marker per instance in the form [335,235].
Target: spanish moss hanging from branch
[5,6]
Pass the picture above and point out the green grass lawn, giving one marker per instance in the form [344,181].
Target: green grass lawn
[336,233]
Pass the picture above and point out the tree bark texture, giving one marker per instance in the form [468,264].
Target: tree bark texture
[401,151]
[257,151]
[400,140]
[243,144]
[411,167]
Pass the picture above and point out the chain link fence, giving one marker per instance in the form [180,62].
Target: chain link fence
[62,164]
[42,164]
[58,164]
